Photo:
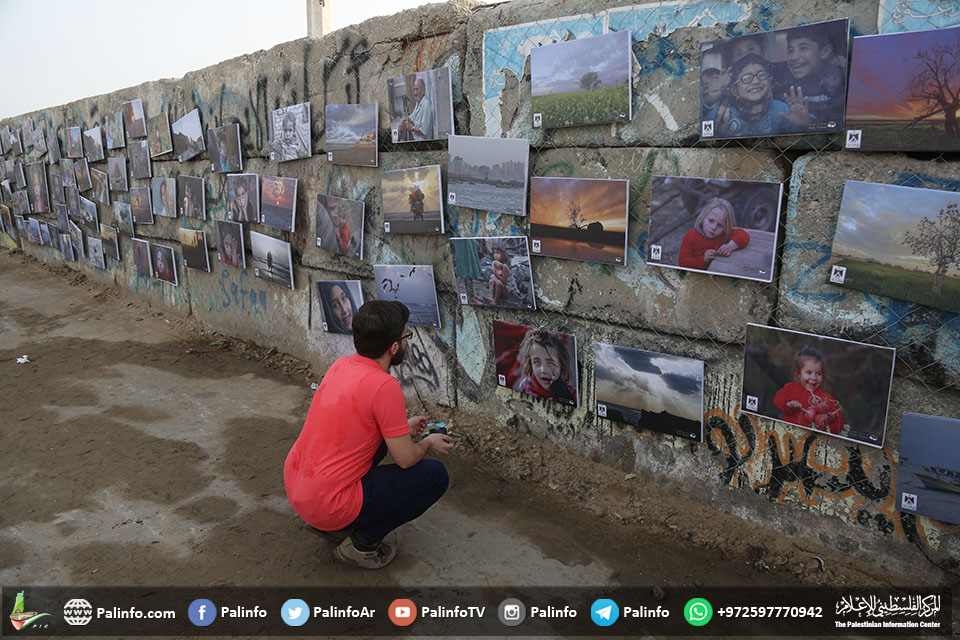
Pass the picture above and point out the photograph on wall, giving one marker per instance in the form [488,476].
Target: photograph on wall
[223,148]
[837,387]
[113,130]
[339,301]
[493,271]
[36,174]
[230,244]
[101,188]
[278,202]
[16,144]
[45,234]
[20,176]
[928,475]
[140,205]
[62,219]
[340,225]
[536,361]
[53,148]
[88,215]
[163,197]
[139,151]
[111,241]
[290,127]
[488,173]
[68,172]
[579,219]
[6,191]
[20,223]
[192,197]
[188,136]
[164,263]
[117,170]
[76,237]
[7,218]
[56,187]
[582,81]
[351,133]
[414,286]
[785,82]
[903,91]
[5,139]
[72,197]
[33,231]
[243,197]
[66,247]
[649,390]
[193,245]
[412,201]
[134,121]
[272,259]
[901,242]
[21,203]
[715,226]
[40,143]
[93,144]
[158,132]
[421,106]
[141,257]
[81,170]
[123,214]
[95,252]
[74,142]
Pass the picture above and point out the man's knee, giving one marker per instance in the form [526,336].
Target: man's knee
[435,475]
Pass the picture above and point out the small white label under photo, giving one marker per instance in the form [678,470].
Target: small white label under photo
[854,136]
[184,262]
[213,167]
[753,403]
[329,156]
[319,242]
[656,251]
[602,410]
[395,134]
[451,198]
[463,298]
[908,501]
[536,246]
[386,227]
[538,119]
[324,324]
[501,380]
[706,129]
[256,271]
[838,275]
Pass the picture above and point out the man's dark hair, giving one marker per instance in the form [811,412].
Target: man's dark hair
[377,325]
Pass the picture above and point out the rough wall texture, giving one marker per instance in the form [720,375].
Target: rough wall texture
[805,485]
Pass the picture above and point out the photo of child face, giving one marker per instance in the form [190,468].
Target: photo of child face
[545,364]
[810,374]
[341,306]
[231,250]
[715,224]
[754,84]
[746,46]
[289,129]
[804,57]
[242,197]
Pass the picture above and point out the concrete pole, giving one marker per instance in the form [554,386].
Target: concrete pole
[319,18]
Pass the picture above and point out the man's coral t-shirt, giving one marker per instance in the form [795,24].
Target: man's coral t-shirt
[356,405]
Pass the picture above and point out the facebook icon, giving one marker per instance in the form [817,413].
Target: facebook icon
[202,612]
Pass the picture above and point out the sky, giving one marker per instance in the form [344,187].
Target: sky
[930,440]
[68,50]
[874,218]
[649,381]
[558,68]
[602,201]
[414,284]
[489,151]
[348,122]
[874,90]
[397,185]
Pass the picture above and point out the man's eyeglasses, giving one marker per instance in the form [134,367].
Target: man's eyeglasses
[407,335]
[747,78]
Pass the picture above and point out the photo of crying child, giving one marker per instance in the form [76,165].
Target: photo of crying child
[536,361]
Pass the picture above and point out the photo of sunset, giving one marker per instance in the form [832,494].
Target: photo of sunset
[412,201]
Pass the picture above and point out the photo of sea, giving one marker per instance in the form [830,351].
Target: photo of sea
[928,478]
[414,286]
[272,260]
[351,132]
[488,173]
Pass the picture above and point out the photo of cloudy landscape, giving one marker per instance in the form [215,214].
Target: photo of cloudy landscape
[351,132]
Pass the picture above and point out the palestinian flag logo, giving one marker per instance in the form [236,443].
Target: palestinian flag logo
[20,618]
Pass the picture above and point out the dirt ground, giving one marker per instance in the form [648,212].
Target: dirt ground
[141,449]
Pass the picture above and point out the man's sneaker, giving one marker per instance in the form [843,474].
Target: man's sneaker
[334,536]
[376,559]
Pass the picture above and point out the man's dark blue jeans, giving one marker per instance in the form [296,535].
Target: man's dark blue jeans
[393,496]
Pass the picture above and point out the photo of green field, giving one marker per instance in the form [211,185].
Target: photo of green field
[580,82]
[900,242]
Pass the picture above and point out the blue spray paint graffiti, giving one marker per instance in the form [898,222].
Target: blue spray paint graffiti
[239,295]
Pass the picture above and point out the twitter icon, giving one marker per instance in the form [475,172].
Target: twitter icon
[295,612]
[604,612]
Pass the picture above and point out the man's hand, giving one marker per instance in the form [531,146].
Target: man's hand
[417,425]
[437,443]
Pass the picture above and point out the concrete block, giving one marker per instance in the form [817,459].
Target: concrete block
[927,340]
[692,304]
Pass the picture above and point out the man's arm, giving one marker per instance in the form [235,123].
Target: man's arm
[406,453]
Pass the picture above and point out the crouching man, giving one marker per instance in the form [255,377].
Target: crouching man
[332,474]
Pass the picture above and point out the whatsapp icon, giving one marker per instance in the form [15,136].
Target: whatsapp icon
[698,612]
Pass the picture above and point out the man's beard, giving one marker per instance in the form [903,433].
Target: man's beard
[397,358]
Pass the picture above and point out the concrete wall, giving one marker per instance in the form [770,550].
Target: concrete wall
[789,479]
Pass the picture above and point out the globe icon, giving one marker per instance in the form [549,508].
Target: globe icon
[77,612]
